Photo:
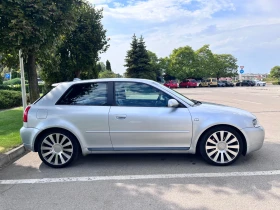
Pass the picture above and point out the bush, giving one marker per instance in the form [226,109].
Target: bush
[10,99]
[276,83]
[5,87]
[15,81]
[18,88]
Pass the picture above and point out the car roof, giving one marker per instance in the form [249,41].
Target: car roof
[106,80]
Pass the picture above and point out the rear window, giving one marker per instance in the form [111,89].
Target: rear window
[193,80]
[93,94]
[214,80]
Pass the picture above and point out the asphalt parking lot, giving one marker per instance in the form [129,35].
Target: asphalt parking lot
[161,181]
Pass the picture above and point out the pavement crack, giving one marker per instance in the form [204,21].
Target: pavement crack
[7,189]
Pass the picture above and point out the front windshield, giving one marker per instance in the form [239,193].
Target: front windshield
[179,95]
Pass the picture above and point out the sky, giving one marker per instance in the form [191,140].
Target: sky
[247,29]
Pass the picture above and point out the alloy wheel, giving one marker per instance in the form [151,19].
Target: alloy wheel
[222,147]
[57,149]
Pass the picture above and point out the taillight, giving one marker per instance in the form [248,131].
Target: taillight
[25,113]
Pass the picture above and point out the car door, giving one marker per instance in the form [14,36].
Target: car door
[141,119]
[87,108]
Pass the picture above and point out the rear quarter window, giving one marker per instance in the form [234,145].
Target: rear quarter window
[91,94]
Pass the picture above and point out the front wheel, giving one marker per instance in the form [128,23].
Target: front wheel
[221,146]
[58,148]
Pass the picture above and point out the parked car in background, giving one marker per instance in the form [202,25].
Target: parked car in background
[228,83]
[198,82]
[259,83]
[213,82]
[188,83]
[204,83]
[246,83]
[171,84]
[40,81]
[134,115]
[210,82]
[221,84]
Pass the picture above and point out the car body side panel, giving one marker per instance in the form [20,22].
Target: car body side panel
[150,127]
[206,116]
[88,123]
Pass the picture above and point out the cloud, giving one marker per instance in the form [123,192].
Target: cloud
[163,10]
[246,30]
[97,2]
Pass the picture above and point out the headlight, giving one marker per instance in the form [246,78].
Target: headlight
[256,123]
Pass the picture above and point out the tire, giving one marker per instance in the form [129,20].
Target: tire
[58,148]
[200,85]
[218,152]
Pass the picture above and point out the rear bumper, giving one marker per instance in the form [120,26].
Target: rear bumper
[28,136]
[254,138]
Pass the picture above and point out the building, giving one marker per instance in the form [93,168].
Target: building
[254,76]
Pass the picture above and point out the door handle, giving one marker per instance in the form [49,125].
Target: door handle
[121,117]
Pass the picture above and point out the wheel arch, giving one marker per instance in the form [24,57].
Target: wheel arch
[220,125]
[36,142]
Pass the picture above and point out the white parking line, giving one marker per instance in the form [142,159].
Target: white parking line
[247,101]
[138,177]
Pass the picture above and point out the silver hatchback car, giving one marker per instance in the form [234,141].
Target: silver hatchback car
[134,116]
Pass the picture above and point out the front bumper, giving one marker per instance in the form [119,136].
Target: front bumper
[28,136]
[254,138]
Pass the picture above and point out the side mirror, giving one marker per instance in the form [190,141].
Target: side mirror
[173,103]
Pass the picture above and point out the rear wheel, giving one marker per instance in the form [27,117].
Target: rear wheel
[221,146]
[58,148]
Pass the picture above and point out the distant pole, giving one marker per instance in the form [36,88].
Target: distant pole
[23,91]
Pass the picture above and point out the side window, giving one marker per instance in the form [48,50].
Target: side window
[94,94]
[139,95]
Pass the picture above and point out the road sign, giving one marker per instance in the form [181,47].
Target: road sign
[241,71]
[242,67]
[7,76]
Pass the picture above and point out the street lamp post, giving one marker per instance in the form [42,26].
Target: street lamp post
[23,90]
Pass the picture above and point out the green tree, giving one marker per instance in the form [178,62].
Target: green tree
[9,59]
[81,48]
[119,76]
[155,65]
[108,66]
[107,74]
[183,63]
[33,26]
[225,65]
[132,59]
[275,73]
[101,66]
[205,62]
[138,61]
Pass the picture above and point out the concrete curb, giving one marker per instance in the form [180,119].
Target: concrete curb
[12,155]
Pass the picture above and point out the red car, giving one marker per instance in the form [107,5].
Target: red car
[171,84]
[188,83]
